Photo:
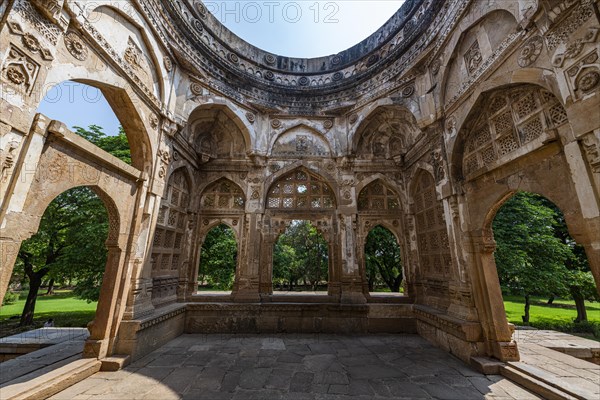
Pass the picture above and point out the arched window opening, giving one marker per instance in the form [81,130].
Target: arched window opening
[383,264]
[544,274]
[58,274]
[85,110]
[378,197]
[300,259]
[432,236]
[218,260]
[511,119]
[223,195]
[300,190]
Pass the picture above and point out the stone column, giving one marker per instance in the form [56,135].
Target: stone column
[99,342]
[352,283]
[248,286]
[489,302]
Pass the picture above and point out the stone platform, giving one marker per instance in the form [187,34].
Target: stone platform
[296,366]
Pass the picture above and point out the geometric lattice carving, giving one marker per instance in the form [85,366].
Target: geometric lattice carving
[300,189]
[507,121]
[170,227]
[432,236]
[223,195]
[378,197]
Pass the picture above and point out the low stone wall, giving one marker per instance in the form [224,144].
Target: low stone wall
[139,337]
[462,338]
[299,318]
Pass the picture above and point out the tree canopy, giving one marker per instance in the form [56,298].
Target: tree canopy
[218,258]
[300,256]
[382,257]
[535,255]
[70,243]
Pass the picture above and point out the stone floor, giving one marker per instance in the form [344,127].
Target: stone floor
[296,367]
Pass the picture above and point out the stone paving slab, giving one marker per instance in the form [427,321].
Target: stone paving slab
[328,367]
[46,336]
[575,346]
[560,367]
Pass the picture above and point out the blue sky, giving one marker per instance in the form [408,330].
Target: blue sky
[304,28]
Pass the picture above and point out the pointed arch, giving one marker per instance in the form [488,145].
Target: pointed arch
[223,195]
[387,132]
[300,189]
[216,131]
[377,196]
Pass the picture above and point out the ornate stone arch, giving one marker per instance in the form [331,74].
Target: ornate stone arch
[300,190]
[300,140]
[137,50]
[464,47]
[505,124]
[222,196]
[386,133]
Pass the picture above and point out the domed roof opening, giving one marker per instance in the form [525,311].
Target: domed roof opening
[304,29]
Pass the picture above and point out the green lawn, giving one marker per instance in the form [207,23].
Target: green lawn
[558,316]
[63,307]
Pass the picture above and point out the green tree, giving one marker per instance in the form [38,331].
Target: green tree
[69,241]
[117,145]
[529,256]
[69,244]
[382,256]
[301,254]
[218,258]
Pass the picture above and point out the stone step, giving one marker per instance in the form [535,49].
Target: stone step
[36,386]
[542,383]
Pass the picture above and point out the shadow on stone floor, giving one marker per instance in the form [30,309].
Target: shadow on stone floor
[296,366]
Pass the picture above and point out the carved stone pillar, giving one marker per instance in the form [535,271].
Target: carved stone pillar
[352,284]
[498,335]
[98,345]
[248,283]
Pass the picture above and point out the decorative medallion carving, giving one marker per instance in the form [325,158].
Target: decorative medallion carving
[275,124]
[75,46]
[196,88]
[407,91]
[269,75]
[336,60]
[20,70]
[154,121]
[250,117]
[530,51]
[328,124]
[588,81]
[270,59]
[338,76]
[168,64]
[353,118]
[232,57]
[303,81]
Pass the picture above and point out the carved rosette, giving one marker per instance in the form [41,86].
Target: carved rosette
[530,51]
[196,88]
[76,46]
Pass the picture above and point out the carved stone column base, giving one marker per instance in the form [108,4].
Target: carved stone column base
[95,348]
[506,351]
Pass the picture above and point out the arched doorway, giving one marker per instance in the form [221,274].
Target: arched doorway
[544,274]
[301,195]
[218,260]
[300,259]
